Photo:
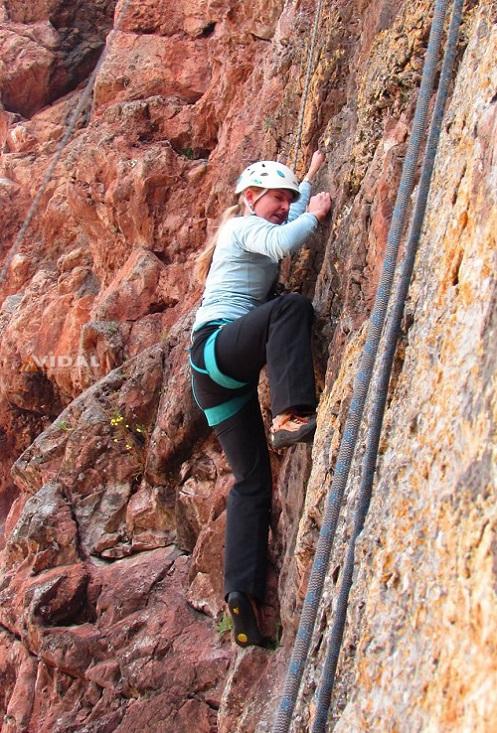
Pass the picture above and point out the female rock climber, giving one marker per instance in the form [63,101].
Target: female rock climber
[238,329]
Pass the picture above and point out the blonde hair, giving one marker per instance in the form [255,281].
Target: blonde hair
[204,260]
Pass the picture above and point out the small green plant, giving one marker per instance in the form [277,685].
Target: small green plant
[188,153]
[132,436]
[63,425]
[112,328]
[117,419]
[225,624]
[140,429]
[275,643]
[269,123]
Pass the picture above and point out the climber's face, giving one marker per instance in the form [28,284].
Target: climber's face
[273,205]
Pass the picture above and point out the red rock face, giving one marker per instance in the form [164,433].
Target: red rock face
[112,491]
[47,48]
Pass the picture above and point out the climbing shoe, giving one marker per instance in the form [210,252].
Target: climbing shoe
[245,627]
[288,429]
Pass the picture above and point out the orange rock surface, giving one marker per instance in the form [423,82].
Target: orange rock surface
[112,490]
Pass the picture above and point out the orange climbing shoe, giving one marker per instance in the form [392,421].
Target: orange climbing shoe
[288,429]
[245,627]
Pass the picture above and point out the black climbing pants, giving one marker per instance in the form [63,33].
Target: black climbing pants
[278,334]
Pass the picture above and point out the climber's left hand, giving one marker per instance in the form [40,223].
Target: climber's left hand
[317,161]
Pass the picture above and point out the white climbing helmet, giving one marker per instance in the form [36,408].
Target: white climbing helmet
[268,174]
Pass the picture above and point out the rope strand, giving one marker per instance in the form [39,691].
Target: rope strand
[307,84]
[362,381]
[392,330]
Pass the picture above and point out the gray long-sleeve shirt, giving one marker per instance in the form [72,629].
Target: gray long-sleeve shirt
[245,261]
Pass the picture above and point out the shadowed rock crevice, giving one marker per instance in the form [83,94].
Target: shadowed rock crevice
[57,47]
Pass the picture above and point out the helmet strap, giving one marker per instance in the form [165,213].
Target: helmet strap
[249,205]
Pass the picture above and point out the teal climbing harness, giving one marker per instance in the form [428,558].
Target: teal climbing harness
[227,409]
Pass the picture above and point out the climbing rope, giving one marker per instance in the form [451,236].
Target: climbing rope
[392,330]
[307,83]
[361,384]
[72,120]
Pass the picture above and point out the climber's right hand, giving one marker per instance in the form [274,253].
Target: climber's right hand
[320,205]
